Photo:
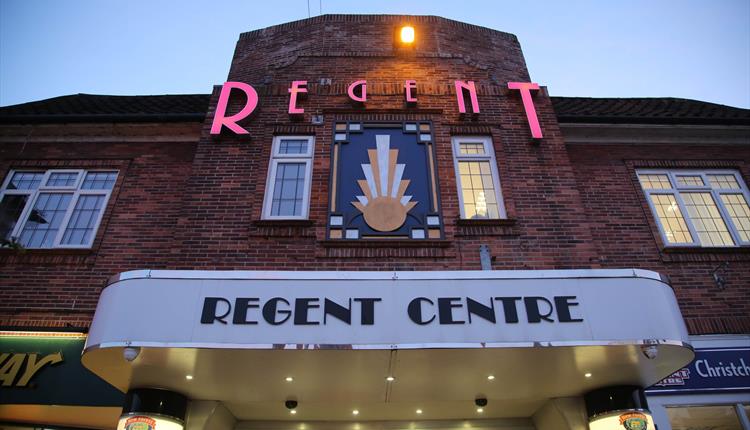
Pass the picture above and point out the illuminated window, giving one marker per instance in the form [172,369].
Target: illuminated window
[54,208]
[707,208]
[477,179]
[289,176]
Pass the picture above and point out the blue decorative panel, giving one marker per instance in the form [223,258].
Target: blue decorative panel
[383,184]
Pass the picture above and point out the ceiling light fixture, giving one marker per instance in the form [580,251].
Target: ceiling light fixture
[390,379]
[189,377]
[490,377]
[289,379]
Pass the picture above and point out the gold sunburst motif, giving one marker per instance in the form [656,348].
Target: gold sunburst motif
[384,204]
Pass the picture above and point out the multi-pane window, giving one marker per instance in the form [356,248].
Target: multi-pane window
[289,176]
[706,208]
[477,178]
[54,208]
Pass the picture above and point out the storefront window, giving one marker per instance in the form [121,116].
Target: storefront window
[722,417]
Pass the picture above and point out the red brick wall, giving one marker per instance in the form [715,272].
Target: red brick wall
[198,205]
[626,235]
[221,226]
[55,288]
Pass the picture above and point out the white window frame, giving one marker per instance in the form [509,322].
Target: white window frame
[276,158]
[43,188]
[676,192]
[489,155]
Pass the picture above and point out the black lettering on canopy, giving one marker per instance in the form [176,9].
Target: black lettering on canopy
[480,309]
[415,310]
[509,308]
[271,309]
[241,306]
[302,308]
[533,313]
[445,309]
[367,310]
[208,316]
[563,305]
[337,311]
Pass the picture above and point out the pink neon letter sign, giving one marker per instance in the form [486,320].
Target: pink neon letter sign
[297,87]
[221,108]
[354,85]
[460,86]
[410,85]
[528,105]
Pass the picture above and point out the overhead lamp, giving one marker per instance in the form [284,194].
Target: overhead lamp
[407,34]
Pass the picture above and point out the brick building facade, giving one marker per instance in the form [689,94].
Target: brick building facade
[185,199]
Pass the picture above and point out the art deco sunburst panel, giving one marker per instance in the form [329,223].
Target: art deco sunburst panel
[383,182]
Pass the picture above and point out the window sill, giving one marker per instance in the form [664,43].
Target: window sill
[697,254]
[487,227]
[385,243]
[46,256]
[283,223]
[282,228]
[461,222]
[372,250]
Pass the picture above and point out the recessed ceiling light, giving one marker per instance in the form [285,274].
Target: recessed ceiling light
[355,412]
[490,377]
[390,379]
[293,411]
[480,410]
[419,411]
[188,377]
[289,379]
[588,375]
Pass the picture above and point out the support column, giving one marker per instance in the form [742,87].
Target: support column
[209,415]
[563,413]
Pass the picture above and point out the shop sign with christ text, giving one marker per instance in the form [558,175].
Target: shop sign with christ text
[713,370]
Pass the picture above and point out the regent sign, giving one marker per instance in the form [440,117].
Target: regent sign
[357,92]
[374,310]
[421,310]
